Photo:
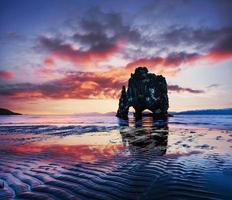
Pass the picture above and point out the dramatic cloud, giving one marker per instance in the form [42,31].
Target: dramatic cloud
[177,88]
[100,31]
[98,41]
[59,50]
[222,49]
[97,38]
[172,60]
[214,44]
[76,85]
[7,75]
[198,37]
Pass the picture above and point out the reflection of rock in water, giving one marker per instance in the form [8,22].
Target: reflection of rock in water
[145,137]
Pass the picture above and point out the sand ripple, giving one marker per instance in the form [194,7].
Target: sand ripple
[142,166]
[130,178]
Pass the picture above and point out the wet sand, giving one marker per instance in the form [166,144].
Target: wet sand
[127,162]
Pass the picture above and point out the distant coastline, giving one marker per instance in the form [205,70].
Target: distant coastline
[224,111]
[4,111]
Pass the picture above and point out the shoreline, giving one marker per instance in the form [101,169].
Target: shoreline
[92,162]
[212,121]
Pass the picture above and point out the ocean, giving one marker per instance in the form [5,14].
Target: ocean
[207,121]
[101,157]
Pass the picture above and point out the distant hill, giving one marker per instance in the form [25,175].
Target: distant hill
[96,113]
[224,111]
[4,111]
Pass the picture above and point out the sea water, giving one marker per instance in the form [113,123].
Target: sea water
[207,121]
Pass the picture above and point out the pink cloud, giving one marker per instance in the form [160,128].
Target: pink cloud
[7,75]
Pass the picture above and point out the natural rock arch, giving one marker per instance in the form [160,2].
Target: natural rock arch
[145,91]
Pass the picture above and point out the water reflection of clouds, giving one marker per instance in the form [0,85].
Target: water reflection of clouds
[78,153]
[132,138]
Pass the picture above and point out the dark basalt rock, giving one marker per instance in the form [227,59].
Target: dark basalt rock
[145,91]
[4,111]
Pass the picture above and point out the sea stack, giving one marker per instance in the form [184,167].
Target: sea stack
[145,91]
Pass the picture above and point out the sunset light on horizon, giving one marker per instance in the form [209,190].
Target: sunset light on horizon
[67,57]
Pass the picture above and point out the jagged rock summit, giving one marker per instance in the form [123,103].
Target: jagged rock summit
[145,91]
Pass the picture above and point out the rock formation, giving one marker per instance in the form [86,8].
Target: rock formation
[4,111]
[145,91]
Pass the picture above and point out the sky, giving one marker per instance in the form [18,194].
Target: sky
[65,57]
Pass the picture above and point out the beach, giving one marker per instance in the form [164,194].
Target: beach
[115,100]
[100,157]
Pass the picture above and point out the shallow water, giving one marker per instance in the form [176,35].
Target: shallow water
[51,158]
[208,121]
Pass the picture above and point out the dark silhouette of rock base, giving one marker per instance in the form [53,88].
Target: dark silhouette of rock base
[145,91]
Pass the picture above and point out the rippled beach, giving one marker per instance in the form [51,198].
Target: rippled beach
[100,157]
